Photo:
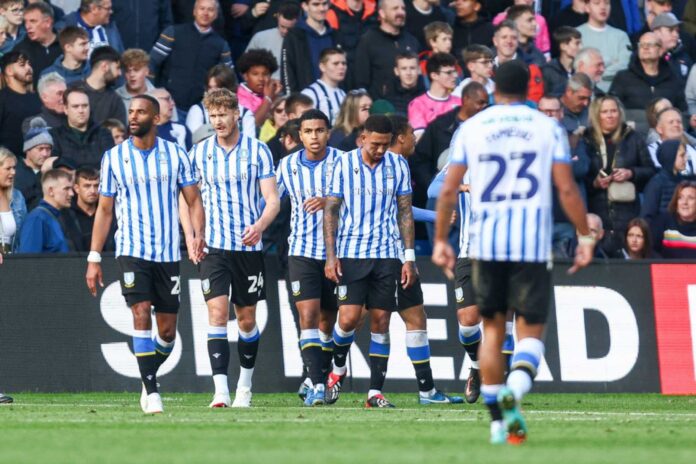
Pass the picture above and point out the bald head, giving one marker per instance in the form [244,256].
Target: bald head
[166,103]
[596,226]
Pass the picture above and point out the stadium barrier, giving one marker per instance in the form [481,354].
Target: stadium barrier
[615,327]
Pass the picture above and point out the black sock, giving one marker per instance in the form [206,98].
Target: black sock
[496,413]
[313,359]
[378,372]
[219,354]
[248,347]
[472,351]
[424,374]
[148,372]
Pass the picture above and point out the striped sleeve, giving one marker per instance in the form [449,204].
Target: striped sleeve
[336,189]
[185,176]
[404,187]
[107,181]
[191,155]
[280,178]
[265,162]
[226,55]
[162,48]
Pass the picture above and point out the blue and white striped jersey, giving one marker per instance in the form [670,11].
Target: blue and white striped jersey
[367,218]
[326,99]
[230,188]
[464,215]
[301,180]
[146,185]
[510,150]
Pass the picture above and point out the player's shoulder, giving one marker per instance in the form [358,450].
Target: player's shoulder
[257,146]
[174,149]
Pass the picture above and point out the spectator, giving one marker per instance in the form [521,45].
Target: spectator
[612,43]
[289,136]
[17,99]
[4,26]
[42,231]
[51,88]
[38,144]
[438,99]
[506,49]
[539,34]
[666,28]
[12,206]
[296,104]
[656,8]
[105,64]
[184,53]
[94,16]
[655,106]
[258,89]
[647,77]
[41,43]
[272,39]
[379,47]
[573,15]
[469,28]
[117,130]
[589,61]
[58,12]
[73,64]
[669,126]
[638,241]
[675,231]
[575,101]
[81,140]
[166,128]
[198,120]
[275,121]
[13,12]
[433,146]
[421,13]
[438,39]
[302,46]
[594,223]
[478,61]
[353,113]
[325,91]
[523,17]
[658,192]
[619,168]
[141,22]
[409,84]
[135,64]
[78,220]
[557,71]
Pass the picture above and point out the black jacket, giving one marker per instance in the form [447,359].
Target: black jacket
[401,97]
[377,50]
[658,193]
[140,23]
[39,56]
[475,32]
[296,69]
[636,89]
[82,151]
[51,119]
[29,183]
[555,78]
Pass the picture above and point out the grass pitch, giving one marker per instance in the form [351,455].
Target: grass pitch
[106,428]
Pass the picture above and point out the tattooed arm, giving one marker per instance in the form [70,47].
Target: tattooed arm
[332,268]
[404,217]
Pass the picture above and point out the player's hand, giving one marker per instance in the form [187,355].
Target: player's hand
[453,219]
[409,274]
[443,257]
[314,204]
[197,251]
[583,257]
[463,188]
[94,276]
[332,269]
[251,235]
[238,9]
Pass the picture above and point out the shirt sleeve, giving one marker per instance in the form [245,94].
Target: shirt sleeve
[186,175]
[265,162]
[561,148]
[416,114]
[336,189]
[280,179]
[457,147]
[107,181]
[404,187]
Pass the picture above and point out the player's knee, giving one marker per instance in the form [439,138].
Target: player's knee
[141,314]
[468,316]
[168,334]
[414,318]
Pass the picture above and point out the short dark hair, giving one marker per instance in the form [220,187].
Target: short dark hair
[512,78]
[379,123]
[296,99]
[515,11]
[564,34]
[400,125]
[113,123]
[86,173]
[289,10]
[42,7]
[291,128]
[70,34]
[105,53]
[224,76]
[405,55]
[507,23]
[437,61]
[11,58]
[257,57]
[475,52]
[55,174]
[153,101]
[77,87]
[327,52]
[312,115]
[472,88]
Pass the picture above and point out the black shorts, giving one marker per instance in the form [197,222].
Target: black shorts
[242,270]
[158,283]
[412,296]
[524,287]
[370,282]
[463,285]
[308,282]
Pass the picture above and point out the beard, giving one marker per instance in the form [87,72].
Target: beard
[142,129]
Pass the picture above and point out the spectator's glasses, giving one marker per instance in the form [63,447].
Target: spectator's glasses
[648,44]
[109,8]
[484,61]
[451,72]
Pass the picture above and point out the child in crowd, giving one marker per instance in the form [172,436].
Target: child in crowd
[542,39]
[478,60]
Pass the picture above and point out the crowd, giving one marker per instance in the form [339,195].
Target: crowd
[618,75]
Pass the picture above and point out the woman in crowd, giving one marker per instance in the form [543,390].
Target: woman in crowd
[12,206]
[675,231]
[275,121]
[620,166]
[638,241]
[354,111]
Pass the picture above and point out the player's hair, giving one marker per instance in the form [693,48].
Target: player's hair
[379,123]
[312,115]
[74,88]
[434,29]
[6,154]
[507,24]
[672,208]
[400,126]
[136,58]
[220,98]
[515,11]
[596,132]
[476,52]
[585,55]
[328,52]
[70,34]
[112,124]
[642,224]
[86,173]
[257,57]
[292,129]
[437,61]
[153,101]
[296,99]
[651,110]
[406,55]
[347,119]
[105,53]
[512,79]
[471,89]
[55,175]
[42,7]
[289,10]
[47,80]
[564,34]
[224,77]
[579,81]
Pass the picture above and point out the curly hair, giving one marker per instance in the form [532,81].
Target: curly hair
[257,57]
[220,98]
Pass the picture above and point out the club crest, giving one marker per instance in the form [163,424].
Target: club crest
[129,279]
[389,172]
[342,292]
[459,294]
[205,286]
[296,288]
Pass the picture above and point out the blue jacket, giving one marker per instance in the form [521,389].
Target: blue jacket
[41,231]
[70,75]
[112,34]
[19,211]
[140,22]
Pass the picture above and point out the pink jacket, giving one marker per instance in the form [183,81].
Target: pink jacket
[542,39]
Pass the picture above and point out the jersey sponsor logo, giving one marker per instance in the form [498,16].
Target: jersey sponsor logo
[342,292]
[459,294]
[205,286]
[129,279]
[296,288]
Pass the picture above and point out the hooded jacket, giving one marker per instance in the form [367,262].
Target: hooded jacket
[70,75]
[467,33]
[401,97]
[658,193]
[302,42]
[636,89]
[555,78]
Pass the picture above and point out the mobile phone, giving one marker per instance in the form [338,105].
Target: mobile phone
[603,173]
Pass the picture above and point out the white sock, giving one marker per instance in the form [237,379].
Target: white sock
[340,370]
[427,394]
[221,386]
[496,426]
[519,382]
[372,393]
[508,327]
[245,377]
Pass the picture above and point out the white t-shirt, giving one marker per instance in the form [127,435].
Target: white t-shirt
[8,227]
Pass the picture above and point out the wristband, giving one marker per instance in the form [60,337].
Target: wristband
[94,257]
[410,255]
[586,240]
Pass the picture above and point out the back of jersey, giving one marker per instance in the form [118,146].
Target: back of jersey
[509,151]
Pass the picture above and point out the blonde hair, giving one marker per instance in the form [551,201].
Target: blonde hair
[6,154]
[4,25]
[347,119]
[595,107]
[220,98]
